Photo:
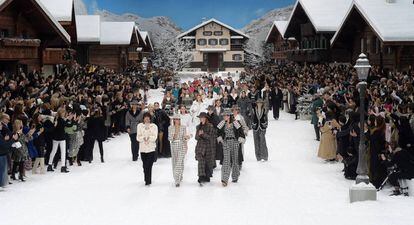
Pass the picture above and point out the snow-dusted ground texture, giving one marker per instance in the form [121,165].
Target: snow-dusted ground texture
[293,187]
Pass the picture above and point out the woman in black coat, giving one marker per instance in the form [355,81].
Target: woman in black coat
[378,171]
[96,132]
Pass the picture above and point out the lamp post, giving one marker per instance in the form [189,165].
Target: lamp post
[362,190]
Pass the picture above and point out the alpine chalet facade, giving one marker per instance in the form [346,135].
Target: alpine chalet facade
[387,40]
[217,47]
[281,45]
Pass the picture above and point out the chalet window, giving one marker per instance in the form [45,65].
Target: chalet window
[237,57]
[202,41]
[207,33]
[236,42]
[4,33]
[212,42]
[218,33]
[377,45]
[389,50]
[323,45]
[362,45]
[224,41]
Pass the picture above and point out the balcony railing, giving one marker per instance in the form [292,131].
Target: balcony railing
[308,55]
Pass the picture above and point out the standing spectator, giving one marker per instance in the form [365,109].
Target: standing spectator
[276,97]
[59,140]
[132,121]
[316,107]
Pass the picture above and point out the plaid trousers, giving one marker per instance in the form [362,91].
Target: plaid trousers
[178,154]
[230,160]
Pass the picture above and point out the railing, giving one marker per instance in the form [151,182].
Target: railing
[236,47]
[19,42]
[308,55]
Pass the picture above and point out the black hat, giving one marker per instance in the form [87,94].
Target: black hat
[203,114]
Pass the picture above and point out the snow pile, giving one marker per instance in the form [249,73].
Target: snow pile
[294,187]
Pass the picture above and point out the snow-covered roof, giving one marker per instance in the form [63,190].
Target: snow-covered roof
[60,9]
[210,21]
[117,33]
[213,50]
[325,15]
[237,37]
[88,28]
[146,38]
[391,21]
[61,30]
[280,25]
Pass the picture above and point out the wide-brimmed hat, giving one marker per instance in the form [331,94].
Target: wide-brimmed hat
[176,117]
[227,112]
[203,114]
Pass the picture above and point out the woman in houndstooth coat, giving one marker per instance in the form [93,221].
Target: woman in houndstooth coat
[231,135]
[177,135]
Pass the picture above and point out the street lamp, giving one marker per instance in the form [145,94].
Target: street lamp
[144,63]
[362,190]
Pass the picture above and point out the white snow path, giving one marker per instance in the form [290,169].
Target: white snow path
[294,187]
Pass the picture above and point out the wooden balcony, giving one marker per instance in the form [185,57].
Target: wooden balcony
[19,42]
[52,56]
[236,47]
[279,55]
[308,55]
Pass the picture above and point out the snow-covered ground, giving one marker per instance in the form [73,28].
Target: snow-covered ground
[294,187]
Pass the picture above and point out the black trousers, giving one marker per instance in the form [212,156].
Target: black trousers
[147,162]
[276,111]
[134,146]
[317,131]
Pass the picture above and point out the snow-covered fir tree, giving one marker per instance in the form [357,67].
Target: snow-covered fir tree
[173,54]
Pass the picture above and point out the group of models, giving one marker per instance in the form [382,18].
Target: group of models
[220,135]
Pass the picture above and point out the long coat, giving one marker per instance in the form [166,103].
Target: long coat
[206,144]
[327,146]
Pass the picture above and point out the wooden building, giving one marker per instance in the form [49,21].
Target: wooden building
[382,29]
[313,23]
[281,45]
[217,47]
[64,12]
[114,45]
[27,31]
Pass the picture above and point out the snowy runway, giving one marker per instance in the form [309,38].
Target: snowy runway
[294,187]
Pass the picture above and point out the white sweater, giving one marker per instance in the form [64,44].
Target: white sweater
[147,136]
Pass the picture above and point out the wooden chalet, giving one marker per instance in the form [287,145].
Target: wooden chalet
[114,45]
[217,47]
[382,29]
[281,45]
[27,31]
[313,23]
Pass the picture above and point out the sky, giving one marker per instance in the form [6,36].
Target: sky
[188,13]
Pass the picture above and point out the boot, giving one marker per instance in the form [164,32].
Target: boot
[102,159]
[224,183]
[42,166]
[36,163]
[70,161]
[49,168]
[21,178]
[64,169]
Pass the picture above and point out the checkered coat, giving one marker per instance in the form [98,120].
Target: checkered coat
[206,144]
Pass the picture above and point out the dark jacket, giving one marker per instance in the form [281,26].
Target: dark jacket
[96,128]
[237,127]
[59,131]
[259,121]
[5,146]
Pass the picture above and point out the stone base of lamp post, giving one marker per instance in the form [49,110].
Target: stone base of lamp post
[362,192]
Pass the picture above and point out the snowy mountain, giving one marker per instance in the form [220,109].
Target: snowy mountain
[258,29]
